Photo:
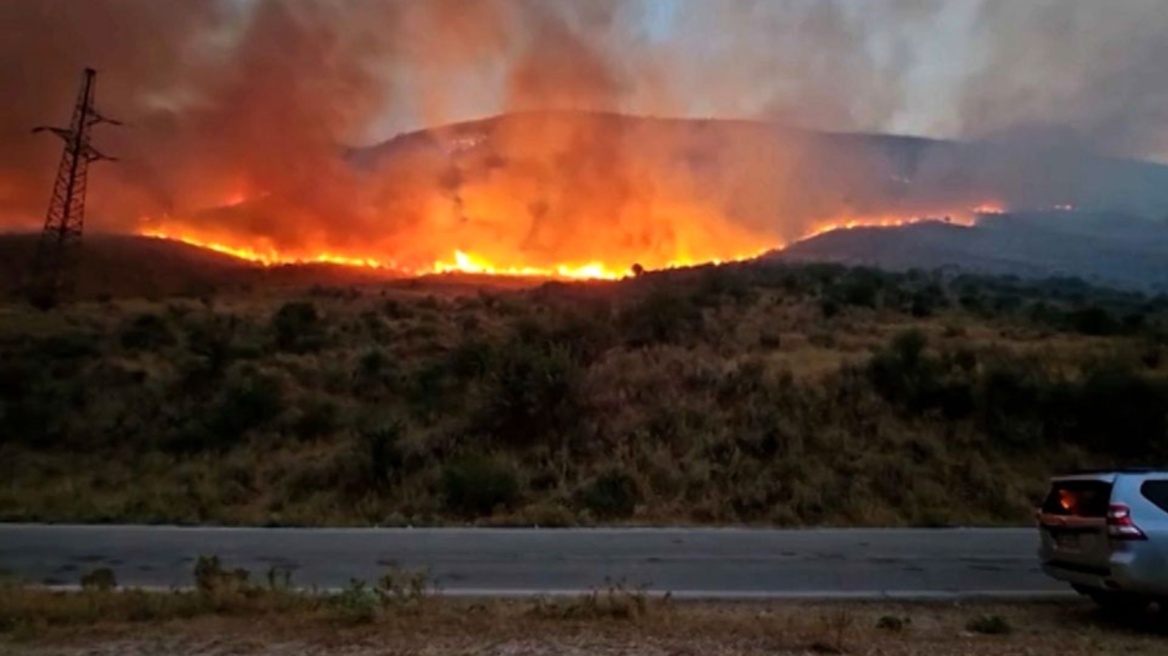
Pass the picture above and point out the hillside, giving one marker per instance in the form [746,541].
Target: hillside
[1106,249]
[543,186]
[751,394]
[125,266]
[768,172]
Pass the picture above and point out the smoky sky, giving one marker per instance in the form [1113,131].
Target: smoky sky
[259,96]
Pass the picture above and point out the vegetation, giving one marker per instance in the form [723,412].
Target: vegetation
[390,617]
[761,394]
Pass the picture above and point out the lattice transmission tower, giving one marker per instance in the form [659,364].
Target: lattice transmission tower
[52,274]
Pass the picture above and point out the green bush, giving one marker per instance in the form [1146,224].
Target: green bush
[989,625]
[903,374]
[1095,322]
[250,401]
[319,417]
[67,347]
[101,579]
[298,327]
[1010,403]
[211,577]
[613,495]
[1123,413]
[147,332]
[381,454]
[662,317]
[532,396]
[476,486]
[472,358]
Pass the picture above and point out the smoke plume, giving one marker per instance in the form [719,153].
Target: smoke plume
[1073,73]
[244,118]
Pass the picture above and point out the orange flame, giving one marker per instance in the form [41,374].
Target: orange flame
[893,221]
[264,252]
[989,208]
[462,262]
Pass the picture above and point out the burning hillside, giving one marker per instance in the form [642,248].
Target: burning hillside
[573,195]
[236,113]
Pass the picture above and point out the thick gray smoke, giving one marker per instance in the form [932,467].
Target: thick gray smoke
[1072,73]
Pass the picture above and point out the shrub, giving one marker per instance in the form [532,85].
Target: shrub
[476,486]
[298,327]
[146,332]
[211,577]
[249,402]
[356,604]
[380,452]
[616,602]
[101,580]
[67,347]
[213,339]
[662,317]
[860,291]
[375,373]
[1094,321]
[989,625]
[319,417]
[585,335]
[533,395]
[893,623]
[922,306]
[1009,401]
[472,358]
[1123,413]
[430,388]
[902,373]
[770,340]
[613,495]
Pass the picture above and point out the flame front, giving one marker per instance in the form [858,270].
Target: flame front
[551,195]
[460,262]
[264,252]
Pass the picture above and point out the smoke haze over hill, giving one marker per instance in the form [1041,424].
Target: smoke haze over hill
[254,100]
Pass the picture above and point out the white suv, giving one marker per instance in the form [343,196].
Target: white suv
[1106,534]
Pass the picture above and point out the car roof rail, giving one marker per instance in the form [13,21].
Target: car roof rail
[1113,470]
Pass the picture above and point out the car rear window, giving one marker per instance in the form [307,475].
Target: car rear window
[1078,499]
[1156,492]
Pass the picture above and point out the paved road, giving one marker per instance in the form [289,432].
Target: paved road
[708,563]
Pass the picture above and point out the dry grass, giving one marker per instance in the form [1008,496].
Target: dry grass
[607,623]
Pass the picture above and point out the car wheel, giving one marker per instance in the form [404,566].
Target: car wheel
[1118,602]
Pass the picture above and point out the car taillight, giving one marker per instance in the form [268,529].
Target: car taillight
[1120,525]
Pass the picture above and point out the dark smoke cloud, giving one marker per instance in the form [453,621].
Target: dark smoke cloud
[806,62]
[1072,74]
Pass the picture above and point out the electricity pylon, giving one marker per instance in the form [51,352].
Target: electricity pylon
[52,275]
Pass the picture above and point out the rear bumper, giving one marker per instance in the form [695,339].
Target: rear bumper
[1126,571]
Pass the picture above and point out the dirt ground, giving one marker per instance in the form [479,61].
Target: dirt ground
[526,629]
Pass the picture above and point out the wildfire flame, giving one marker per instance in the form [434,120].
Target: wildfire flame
[891,221]
[461,262]
[471,263]
[989,208]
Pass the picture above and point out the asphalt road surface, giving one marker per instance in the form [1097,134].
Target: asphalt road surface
[693,563]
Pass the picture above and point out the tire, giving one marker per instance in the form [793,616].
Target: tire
[1118,603]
